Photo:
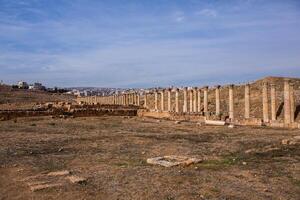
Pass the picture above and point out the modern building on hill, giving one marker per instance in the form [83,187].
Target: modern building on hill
[37,86]
[23,85]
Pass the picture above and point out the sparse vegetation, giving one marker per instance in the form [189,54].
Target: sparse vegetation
[112,153]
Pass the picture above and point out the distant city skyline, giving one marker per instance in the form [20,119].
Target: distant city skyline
[126,44]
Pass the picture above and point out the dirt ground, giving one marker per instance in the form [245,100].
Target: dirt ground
[111,153]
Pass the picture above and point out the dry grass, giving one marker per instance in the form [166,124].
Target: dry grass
[112,151]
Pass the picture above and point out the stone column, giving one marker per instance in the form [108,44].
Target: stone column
[217,100]
[273,102]
[265,102]
[195,100]
[191,100]
[135,99]
[287,102]
[199,100]
[145,100]
[138,99]
[177,100]
[292,100]
[132,98]
[205,100]
[231,103]
[162,99]
[169,100]
[126,99]
[156,100]
[247,101]
[185,100]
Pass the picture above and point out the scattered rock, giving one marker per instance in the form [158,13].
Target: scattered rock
[59,173]
[215,122]
[177,122]
[76,179]
[285,141]
[265,149]
[244,163]
[60,149]
[38,187]
[231,126]
[170,161]
[199,124]
[291,141]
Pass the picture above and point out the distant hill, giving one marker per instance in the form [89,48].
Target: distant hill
[24,99]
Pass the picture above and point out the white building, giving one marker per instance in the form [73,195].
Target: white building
[23,85]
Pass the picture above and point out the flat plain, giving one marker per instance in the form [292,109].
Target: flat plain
[110,154]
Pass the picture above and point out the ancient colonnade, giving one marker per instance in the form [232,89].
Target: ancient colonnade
[198,101]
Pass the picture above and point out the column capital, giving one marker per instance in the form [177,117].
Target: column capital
[205,88]
[231,85]
[217,86]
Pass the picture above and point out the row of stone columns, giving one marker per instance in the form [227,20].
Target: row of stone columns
[194,96]
[195,101]
[123,99]
[288,102]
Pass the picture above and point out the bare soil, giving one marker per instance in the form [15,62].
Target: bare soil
[111,153]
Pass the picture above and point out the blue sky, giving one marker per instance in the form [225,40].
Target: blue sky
[145,43]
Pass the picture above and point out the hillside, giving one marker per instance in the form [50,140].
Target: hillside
[25,99]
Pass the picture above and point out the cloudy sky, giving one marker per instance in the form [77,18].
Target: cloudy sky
[144,43]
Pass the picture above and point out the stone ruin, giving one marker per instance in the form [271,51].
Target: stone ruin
[65,110]
[194,104]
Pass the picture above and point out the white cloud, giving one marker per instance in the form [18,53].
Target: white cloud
[207,13]
[180,18]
